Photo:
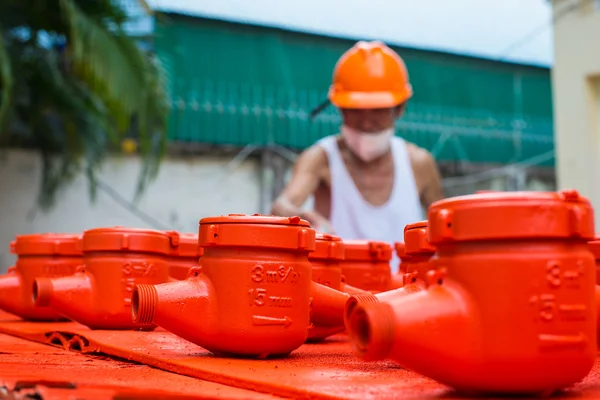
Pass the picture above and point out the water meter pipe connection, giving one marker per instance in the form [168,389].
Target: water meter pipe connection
[366,265]
[41,255]
[250,295]
[327,271]
[594,247]
[418,252]
[509,307]
[184,254]
[398,278]
[98,295]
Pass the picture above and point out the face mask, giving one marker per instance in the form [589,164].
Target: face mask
[367,146]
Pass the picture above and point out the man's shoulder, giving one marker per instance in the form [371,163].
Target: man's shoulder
[313,157]
[321,149]
[326,143]
[419,156]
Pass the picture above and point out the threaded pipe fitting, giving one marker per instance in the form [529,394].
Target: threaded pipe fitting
[355,300]
[371,330]
[143,304]
[42,292]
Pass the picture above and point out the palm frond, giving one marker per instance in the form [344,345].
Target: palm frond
[131,85]
[72,123]
[74,103]
[101,62]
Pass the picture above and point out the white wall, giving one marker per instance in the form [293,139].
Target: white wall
[184,192]
[575,77]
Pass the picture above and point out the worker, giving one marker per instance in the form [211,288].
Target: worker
[366,182]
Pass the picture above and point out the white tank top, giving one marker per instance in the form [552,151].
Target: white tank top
[353,218]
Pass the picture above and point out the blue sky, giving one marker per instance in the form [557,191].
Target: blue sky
[484,28]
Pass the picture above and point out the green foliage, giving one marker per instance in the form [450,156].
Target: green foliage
[73,84]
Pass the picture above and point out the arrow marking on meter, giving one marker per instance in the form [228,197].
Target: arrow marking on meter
[260,320]
[556,342]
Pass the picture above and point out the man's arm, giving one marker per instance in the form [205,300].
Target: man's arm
[426,174]
[432,191]
[306,177]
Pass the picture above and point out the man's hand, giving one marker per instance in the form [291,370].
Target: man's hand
[306,176]
[318,222]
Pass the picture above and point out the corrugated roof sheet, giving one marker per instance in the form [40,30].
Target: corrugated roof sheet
[480,28]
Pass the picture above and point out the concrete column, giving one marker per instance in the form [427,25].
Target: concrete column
[576,97]
[266,180]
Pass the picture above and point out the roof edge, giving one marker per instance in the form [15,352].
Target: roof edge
[288,28]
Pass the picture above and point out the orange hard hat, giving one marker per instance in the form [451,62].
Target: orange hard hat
[370,75]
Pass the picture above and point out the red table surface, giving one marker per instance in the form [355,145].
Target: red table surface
[28,367]
[327,370]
